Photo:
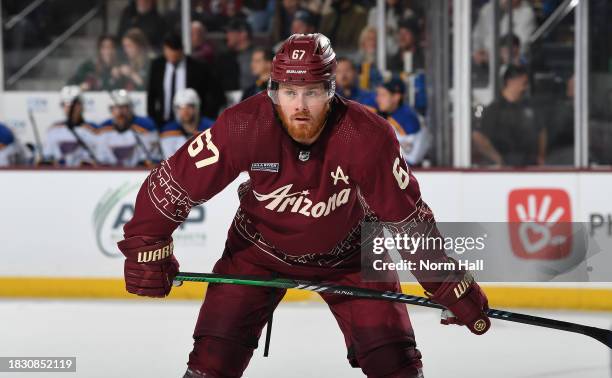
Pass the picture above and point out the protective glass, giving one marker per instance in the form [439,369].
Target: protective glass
[308,95]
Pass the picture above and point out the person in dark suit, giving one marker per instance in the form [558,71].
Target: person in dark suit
[174,71]
[261,67]
[234,63]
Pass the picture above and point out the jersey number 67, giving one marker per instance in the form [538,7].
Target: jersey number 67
[197,146]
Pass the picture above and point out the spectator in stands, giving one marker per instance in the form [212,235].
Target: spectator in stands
[260,12]
[233,10]
[509,54]
[283,19]
[71,142]
[369,76]
[188,122]
[202,49]
[133,73]
[414,139]
[346,84]
[11,151]
[234,64]
[174,71]
[409,56]
[208,13]
[344,24]
[523,25]
[510,134]
[261,67]
[395,12]
[143,14]
[304,22]
[559,131]
[127,140]
[510,51]
[101,74]
[316,7]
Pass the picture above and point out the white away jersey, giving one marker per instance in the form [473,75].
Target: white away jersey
[173,136]
[131,147]
[63,148]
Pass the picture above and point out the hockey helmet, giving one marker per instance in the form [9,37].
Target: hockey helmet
[70,94]
[187,96]
[302,59]
[120,97]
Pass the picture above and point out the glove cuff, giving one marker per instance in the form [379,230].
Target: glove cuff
[451,291]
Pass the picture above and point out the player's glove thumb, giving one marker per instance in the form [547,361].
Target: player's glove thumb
[150,266]
[466,304]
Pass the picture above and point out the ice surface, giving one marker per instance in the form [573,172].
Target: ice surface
[153,338]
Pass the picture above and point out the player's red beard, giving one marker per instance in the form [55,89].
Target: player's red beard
[303,126]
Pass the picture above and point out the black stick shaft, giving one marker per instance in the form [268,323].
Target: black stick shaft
[37,140]
[602,335]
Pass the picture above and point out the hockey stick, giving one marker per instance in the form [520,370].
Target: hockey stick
[70,125]
[37,139]
[139,141]
[602,335]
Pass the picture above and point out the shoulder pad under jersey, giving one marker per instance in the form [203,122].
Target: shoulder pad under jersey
[6,135]
[172,128]
[143,124]
[404,120]
[205,123]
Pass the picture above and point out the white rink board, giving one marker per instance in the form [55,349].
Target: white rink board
[51,226]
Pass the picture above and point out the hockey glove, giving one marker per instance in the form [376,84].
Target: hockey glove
[467,304]
[149,267]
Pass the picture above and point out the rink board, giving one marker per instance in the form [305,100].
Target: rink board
[60,228]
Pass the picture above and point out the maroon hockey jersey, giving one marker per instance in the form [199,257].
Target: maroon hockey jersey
[302,203]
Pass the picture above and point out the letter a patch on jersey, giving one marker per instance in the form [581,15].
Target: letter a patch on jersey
[339,175]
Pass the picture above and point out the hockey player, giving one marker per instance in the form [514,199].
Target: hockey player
[11,151]
[125,139]
[414,139]
[71,142]
[300,216]
[187,109]
[346,84]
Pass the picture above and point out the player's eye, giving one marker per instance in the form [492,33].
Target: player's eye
[289,92]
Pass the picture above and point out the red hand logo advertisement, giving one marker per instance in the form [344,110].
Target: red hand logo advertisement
[540,223]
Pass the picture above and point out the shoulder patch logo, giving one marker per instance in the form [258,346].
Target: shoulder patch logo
[265,167]
[339,175]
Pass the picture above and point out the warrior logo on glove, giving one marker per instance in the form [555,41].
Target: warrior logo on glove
[155,255]
[480,325]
